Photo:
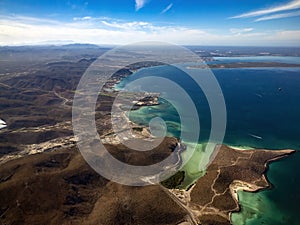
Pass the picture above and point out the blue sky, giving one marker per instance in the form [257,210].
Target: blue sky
[188,22]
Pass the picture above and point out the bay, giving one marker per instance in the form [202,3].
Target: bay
[262,112]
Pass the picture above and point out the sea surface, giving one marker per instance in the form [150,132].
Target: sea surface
[263,111]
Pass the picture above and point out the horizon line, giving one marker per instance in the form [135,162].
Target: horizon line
[116,45]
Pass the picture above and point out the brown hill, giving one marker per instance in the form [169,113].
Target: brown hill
[60,188]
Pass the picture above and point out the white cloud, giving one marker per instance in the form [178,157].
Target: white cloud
[127,25]
[287,35]
[27,20]
[278,16]
[139,4]
[239,31]
[82,18]
[25,30]
[167,8]
[295,4]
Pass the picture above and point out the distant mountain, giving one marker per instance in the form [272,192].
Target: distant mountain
[79,45]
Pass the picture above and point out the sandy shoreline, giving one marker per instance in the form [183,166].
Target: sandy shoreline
[238,185]
[218,197]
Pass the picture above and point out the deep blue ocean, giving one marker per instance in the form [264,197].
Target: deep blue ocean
[263,111]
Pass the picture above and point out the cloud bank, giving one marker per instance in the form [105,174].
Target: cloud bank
[20,30]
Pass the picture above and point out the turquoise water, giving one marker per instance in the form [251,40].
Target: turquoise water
[277,206]
[263,112]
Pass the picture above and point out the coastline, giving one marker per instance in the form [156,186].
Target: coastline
[184,196]
[244,186]
[233,65]
[207,201]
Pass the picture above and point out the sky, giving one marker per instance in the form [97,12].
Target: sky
[184,22]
